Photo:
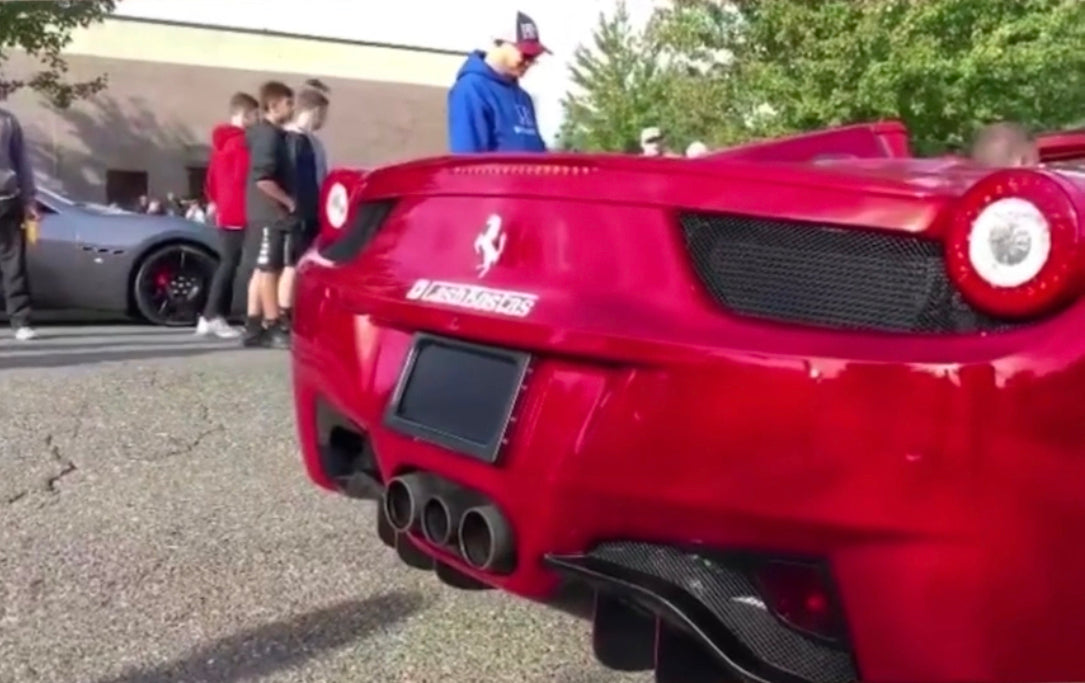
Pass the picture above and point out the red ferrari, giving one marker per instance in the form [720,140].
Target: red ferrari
[804,410]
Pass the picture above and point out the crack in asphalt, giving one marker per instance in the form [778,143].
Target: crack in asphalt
[16,497]
[65,465]
[187,446]
[51,483]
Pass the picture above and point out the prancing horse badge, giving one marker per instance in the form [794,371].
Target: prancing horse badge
[489,245]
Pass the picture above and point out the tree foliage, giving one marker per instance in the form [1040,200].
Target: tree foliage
[43,29]
[746,69]
[617,87]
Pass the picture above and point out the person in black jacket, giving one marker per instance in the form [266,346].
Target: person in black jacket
[270,207]
[18,203]
[310,113]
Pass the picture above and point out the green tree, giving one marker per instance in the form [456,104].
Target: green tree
[756,68]
[618,87]
[43,29]
[697,103]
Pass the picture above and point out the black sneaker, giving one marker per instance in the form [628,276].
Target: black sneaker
[254,338]
[277,337]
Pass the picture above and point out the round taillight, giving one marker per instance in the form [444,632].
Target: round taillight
[339,195]
[1014,247]
[337,205]
[1010,242]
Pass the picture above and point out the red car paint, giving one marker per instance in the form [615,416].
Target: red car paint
[941,477]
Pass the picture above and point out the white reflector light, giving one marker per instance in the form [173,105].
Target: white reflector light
[1009,243]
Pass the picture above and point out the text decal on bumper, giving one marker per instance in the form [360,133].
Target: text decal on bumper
[473,297]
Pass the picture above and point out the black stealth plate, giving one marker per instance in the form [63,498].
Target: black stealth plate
[457,395]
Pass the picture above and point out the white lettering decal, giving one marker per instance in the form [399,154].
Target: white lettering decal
[417,289]
[473,297]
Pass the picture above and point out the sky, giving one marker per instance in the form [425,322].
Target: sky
[460,25]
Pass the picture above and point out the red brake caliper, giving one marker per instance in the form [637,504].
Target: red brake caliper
[162,279]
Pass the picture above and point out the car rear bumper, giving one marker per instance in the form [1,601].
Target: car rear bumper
[944,499]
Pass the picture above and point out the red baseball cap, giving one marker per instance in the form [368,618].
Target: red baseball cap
[525,36]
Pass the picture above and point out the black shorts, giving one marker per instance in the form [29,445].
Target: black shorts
[269,246]
[298,242]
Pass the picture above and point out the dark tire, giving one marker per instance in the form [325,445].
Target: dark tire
[171,283]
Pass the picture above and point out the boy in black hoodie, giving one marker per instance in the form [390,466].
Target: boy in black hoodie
[270,209]
[310,113]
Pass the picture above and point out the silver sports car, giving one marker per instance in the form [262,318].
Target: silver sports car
[94,257]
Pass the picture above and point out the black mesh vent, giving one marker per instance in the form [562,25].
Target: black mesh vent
[825,276]
[368,219]
[732,598]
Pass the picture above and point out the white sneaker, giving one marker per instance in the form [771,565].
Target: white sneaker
[25,333]
[203,327]
[220,328]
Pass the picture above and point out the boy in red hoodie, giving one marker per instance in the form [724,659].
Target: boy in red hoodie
[227,174]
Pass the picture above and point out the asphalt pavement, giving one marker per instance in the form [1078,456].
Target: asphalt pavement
[156,526]
[66,345]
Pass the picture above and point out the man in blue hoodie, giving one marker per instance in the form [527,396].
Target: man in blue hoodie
[488,111]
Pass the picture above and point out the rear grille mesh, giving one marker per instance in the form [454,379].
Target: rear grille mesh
[368,219]
[826,276]
[731,597]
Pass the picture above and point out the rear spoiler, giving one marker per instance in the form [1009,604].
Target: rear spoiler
[1062,145]
[881,140]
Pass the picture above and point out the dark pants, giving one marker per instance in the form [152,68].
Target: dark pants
[13,266]
[221,297]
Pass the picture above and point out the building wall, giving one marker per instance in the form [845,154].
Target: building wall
[457,27]
[169,84]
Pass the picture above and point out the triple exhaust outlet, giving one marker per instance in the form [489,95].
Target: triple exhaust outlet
[453,517]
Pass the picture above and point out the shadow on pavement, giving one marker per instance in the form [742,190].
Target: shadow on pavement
[280,645]
[99,331]
[70,317]
[48,360]
[46,345]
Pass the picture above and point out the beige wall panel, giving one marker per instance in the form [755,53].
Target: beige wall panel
[255,51]
[156,116]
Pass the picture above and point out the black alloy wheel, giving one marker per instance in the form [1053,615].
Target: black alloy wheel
[171,285]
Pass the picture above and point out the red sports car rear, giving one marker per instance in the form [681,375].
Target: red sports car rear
[792,417]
